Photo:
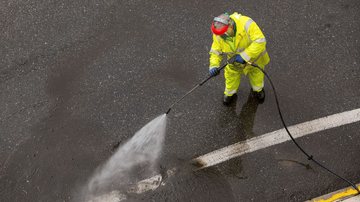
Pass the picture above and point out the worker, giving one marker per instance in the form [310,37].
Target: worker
[240,38]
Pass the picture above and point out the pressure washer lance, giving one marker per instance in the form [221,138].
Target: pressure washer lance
[198,85]
[309,157]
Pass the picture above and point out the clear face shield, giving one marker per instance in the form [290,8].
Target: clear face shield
[222,26]
[220,29]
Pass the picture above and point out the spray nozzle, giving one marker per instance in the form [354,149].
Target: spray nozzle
[168,111]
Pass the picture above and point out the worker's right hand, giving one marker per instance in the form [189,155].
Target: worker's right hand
[214,71]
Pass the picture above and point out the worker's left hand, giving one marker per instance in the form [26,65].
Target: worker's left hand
[239,59]
[214,71]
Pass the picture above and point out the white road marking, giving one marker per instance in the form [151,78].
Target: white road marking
[277,137]
[348,194]
[257,143]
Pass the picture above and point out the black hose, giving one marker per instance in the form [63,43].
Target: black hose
[309,157]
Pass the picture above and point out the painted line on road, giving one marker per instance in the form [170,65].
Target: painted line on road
[277,137]
[347,194]
[256,143]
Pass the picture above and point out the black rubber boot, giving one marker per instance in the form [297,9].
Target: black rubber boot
[260,96]
[229,99]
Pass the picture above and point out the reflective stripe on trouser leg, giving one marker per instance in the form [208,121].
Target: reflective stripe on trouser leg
[256,78]
[232,79]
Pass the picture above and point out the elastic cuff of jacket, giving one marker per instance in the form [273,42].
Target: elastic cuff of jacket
[213,67]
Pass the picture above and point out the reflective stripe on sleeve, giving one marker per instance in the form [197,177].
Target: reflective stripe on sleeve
[245,56]
[261,40]
[215,52]
[247,25]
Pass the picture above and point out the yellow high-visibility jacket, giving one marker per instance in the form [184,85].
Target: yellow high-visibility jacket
[249,42]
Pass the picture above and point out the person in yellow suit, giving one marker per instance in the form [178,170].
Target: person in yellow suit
[240,38]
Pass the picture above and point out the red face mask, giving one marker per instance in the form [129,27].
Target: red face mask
[219,31]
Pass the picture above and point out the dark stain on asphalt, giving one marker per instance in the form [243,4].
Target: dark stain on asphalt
[327,25]
[289,162]
[58,138]
[345,6]
[189,185]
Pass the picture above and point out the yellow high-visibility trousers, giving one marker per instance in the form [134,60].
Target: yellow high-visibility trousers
[233,74]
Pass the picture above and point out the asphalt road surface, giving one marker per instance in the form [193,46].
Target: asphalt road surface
[78,78]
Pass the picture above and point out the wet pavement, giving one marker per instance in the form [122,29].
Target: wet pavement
[78,79]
